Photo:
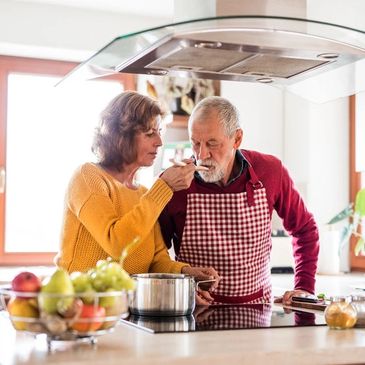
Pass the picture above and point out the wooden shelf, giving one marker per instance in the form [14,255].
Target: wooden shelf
[179,121]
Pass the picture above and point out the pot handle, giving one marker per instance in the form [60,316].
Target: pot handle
[208,283]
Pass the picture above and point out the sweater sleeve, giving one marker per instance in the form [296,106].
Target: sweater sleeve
[300,224]
[89,199]
[162,261]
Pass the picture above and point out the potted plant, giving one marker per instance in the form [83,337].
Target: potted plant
[355,214]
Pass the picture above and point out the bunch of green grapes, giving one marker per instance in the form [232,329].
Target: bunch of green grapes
[107,276]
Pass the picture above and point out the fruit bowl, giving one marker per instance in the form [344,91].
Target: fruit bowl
[65,317]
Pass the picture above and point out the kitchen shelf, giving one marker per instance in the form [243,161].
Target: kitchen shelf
[179,121]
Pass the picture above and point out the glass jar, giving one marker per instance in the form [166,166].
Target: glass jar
[340,314]
[358,302]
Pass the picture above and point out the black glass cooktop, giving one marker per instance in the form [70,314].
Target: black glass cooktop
[228,317]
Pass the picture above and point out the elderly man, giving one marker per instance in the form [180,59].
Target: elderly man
[223,219]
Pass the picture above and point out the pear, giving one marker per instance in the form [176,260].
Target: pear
[57,293]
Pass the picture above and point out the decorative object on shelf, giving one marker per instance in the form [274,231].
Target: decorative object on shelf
[180,95]
[356,222]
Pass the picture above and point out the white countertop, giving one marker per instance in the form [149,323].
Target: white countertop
[129,345]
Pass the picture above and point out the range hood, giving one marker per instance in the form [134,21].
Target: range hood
[251,48]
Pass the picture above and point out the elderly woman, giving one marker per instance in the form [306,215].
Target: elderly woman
[105,209]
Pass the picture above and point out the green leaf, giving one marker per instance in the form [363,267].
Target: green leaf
[359,246]
[346,233]
[360,203]
[347,212]
[345,236]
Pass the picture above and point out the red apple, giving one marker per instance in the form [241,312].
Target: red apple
[91,318]
[26,282]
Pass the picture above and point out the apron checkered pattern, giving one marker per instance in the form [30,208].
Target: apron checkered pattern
[228,233]
[240,316]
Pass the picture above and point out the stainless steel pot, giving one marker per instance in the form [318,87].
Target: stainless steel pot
[163,295]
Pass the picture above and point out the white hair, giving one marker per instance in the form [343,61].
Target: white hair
[227,113]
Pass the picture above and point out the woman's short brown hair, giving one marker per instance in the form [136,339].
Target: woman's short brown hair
[126,115]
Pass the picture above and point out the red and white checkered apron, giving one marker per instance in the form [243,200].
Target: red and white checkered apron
[232,233]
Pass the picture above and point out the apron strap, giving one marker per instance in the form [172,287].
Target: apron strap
[251,185]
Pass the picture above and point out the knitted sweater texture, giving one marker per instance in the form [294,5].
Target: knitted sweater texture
[102,216]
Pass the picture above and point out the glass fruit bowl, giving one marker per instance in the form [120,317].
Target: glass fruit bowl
[65,317]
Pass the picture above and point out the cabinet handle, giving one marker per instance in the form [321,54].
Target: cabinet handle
[2,180]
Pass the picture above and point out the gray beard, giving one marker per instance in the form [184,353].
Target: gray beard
[212,176]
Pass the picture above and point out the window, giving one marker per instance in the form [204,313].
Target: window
[47,132]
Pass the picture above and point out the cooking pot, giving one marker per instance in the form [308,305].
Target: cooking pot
[163,295]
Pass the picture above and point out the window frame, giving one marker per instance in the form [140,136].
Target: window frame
[357,263]
[10,64]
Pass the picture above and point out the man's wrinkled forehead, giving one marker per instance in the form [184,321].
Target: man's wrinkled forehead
[205,115]
[204,121]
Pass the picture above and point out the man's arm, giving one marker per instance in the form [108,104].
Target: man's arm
[166,225]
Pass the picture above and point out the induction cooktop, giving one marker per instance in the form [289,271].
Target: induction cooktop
[228,317]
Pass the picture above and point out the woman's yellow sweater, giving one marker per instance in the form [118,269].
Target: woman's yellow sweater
[102,216]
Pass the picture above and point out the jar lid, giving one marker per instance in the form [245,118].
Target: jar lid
[358,298]
[338,298]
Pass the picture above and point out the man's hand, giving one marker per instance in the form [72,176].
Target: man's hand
[286,298]
[202,273]
[202,297]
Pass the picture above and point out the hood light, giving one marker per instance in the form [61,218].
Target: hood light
[157,72]
[328,56]
[208,45]
[265,80]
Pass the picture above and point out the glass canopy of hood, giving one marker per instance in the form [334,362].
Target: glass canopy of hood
[291,53]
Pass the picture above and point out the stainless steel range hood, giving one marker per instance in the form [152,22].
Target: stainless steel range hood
[245,48]
[266,49]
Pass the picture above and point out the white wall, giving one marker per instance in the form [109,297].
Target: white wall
[261,113]
[60,32]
